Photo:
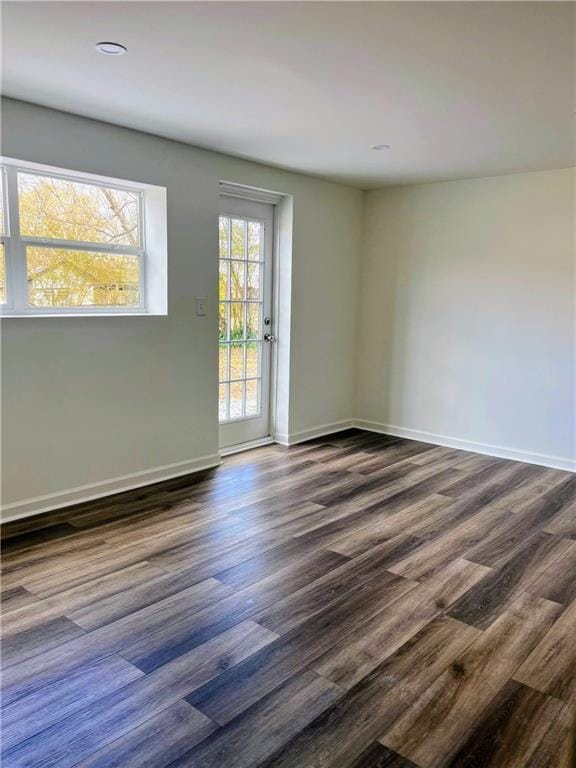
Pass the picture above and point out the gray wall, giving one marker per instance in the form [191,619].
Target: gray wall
[467,313]
[456,321]
[89,399]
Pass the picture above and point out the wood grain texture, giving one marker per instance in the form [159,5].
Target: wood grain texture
[551,667]
[252,736]
[435,726]
[31,714]
[378,756]
[30,614]
[79,735]
[558,581]
[512,731]
[157,742]
[239,687]
[486,601]
[356,601]
[349,662]
[345,730]
[31,642]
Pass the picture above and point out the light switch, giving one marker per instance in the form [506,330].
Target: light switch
[200,306]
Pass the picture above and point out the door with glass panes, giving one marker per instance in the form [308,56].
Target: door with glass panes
[245,321]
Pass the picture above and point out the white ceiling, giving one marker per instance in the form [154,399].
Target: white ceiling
[459,89]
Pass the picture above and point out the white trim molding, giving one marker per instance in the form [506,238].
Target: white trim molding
[231,189]
[62,499]
[499,451]
[309,434]
[229,450]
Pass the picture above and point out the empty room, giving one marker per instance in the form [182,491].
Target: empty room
[288,384]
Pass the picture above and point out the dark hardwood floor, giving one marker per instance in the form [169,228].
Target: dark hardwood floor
[357,601]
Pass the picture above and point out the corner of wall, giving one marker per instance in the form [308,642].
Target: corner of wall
[356,408]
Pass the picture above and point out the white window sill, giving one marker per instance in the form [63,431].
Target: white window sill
[5,315]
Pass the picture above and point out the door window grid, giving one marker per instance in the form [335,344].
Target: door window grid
[241,270]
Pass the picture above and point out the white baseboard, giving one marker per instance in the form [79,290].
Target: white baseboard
[499,451]
[309,434]
[241,447]
[61,499]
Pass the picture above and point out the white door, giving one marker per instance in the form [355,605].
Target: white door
[245,321]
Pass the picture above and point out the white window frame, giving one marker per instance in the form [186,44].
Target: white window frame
[151,251]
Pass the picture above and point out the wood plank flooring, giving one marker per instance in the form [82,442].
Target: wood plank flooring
[357,601]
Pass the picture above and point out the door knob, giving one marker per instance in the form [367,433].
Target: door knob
[269,337]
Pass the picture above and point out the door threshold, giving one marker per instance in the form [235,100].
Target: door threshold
[229,450]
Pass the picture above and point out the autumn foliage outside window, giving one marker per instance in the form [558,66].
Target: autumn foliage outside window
[81,242]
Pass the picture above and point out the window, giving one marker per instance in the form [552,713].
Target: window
[80,244]
[241,299]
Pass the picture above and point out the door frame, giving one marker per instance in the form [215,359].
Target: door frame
[239,196]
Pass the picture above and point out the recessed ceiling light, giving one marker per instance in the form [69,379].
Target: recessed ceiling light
[379,147]
[111,49]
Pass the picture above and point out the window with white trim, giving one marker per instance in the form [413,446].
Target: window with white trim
[80,244]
